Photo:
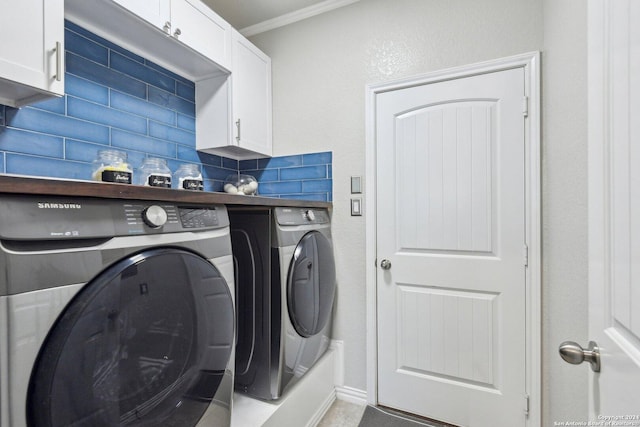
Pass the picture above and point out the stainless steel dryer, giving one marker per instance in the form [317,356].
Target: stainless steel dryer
[285,287]
[114,313]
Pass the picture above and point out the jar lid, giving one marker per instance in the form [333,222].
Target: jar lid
[189,166]
[155,160]
[112,154]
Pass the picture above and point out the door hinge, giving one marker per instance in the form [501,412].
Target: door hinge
[525,106]
[526,405]
[525,253]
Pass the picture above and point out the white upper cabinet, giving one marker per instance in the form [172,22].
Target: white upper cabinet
[232,76]
[183,36]
[249,91]
[156,12]
[32,53]
[189,21]
[251,86]
[197,26]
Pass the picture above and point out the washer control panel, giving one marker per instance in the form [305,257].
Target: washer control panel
[147,218]
[198,217]
[154,216]
[33,217]
[142,218]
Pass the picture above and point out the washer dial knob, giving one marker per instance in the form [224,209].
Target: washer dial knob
[154,216]
[309,215]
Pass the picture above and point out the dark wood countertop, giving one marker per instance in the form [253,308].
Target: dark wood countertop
[58,187]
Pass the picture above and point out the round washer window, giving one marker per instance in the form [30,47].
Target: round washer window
[145,343]
[311,284]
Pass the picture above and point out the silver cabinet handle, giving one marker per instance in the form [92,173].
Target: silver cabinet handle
[167,27]
[238,126]
[177,32]
[575,354]
[58,50]
[385,264]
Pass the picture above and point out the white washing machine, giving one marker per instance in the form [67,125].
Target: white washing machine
[285,287]
[114,313]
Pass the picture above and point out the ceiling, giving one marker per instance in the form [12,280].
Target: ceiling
[262,15]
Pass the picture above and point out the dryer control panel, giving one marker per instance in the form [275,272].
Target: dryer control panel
[301,216]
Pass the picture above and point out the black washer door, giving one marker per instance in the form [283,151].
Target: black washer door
[311,284]
[145,343]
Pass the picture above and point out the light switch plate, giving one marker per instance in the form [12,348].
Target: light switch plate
[356,185]
[356,207]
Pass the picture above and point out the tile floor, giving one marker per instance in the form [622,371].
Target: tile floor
[342,414]
[345,414]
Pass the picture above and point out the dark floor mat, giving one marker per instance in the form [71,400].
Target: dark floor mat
[379,417]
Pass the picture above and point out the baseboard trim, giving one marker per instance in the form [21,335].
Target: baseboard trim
[307,400]
[322,410]
[345,393]
[351,395]
[338,349]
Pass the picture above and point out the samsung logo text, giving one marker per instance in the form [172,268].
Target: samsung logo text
[59,206]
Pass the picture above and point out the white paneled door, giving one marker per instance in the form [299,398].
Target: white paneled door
[451,251]
[614,210]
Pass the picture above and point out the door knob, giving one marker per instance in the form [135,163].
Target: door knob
[385,264]
[575,354]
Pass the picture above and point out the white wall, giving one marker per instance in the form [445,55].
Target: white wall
[564,183]
[320,68]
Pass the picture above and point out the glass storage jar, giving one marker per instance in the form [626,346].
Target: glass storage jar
[188,177]
[154,172]
[112,166]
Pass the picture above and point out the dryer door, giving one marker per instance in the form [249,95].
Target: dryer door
[311,284]
[145,343]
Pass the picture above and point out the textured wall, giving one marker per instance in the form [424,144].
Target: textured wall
[320,69]
[564,156]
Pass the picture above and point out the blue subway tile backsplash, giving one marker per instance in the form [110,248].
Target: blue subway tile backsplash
[77,44]
[280,162]
[171,101]
[293,187]
[306,177]
[53,105]
[43,166]
[141,72]
[115,98]
[304,172]
[26,142]
[142,108]
[45,122]
[186,122]
[82,88]
[316,159]
[98,73]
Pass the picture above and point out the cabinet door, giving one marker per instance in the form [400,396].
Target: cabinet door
[197,26]
[251,87]
[156,12]
[30,31]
